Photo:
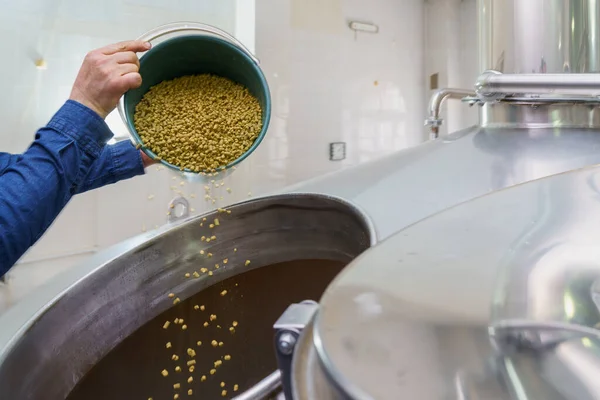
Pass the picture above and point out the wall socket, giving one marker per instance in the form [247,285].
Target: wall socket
[337,151]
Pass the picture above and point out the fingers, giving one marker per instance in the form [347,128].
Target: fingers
[129,45]
[131,80]
[124,69]
[127,57]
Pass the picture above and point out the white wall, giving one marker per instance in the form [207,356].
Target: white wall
[327,85]
[451,50]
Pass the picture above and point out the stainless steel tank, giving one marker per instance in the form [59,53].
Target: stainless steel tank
[496,298]
[531,126]
[101,324]
[106,318]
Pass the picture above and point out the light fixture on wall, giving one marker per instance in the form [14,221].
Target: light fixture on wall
[367,27]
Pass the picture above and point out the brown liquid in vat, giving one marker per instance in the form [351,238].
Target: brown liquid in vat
[254,299]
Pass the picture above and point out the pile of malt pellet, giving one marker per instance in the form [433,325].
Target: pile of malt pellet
[198,122]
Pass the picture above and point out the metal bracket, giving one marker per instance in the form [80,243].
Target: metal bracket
[287,331]
[172,214]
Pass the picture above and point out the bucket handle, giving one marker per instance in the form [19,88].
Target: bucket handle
[195,26]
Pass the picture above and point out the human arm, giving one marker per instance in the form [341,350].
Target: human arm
[35,188]
[116,162]
[39,184]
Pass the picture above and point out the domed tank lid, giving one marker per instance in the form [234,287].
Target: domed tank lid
[490,298]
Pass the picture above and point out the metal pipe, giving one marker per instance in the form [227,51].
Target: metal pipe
[493,85]
[263,388]
[434,121]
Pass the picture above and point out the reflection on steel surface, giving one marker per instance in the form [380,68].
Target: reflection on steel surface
[521,262]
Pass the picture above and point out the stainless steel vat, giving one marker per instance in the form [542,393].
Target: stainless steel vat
[51,340]
[496,298]
[423,323]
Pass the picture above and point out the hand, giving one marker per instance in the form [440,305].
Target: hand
[147,161]
[106,74]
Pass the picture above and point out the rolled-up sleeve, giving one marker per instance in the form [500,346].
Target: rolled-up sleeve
[35,187]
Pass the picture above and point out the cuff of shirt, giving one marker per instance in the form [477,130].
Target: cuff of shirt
[82,125]
[127,160]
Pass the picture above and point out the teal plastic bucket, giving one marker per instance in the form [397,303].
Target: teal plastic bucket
[205,51]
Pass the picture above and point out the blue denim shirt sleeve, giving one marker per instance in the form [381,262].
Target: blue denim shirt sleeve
[36,185]
[116,163]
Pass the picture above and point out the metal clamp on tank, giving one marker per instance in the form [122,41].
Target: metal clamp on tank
[287,331]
